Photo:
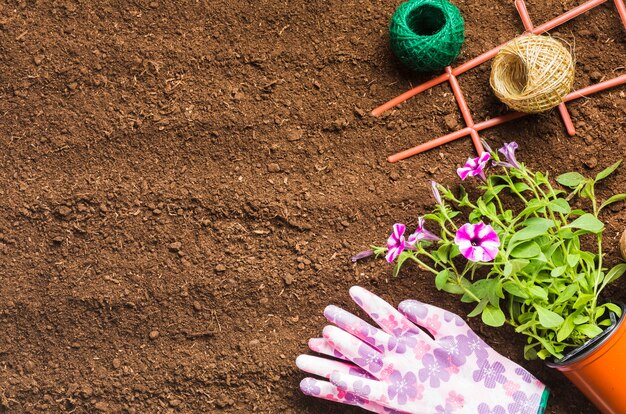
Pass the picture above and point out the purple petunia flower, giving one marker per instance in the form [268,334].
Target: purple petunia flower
[484,409]
[524,404]
[477,242]
[369,359]
[395,242]
[362,255]
[421,233]
[474,167]
[435,189]
[490,374]
[508,150]
[309,387]
[404,387]
[434,369]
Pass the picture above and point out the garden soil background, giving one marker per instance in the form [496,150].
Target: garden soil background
[183,184]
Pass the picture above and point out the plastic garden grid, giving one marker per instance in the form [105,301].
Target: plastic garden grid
[451,74]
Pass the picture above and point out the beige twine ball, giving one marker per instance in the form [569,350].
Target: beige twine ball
[622,245]
[532,73]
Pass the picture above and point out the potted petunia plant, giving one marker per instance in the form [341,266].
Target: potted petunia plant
[527,253]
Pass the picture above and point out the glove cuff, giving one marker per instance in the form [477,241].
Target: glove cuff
[544,401]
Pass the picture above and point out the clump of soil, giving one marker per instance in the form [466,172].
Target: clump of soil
[182,186]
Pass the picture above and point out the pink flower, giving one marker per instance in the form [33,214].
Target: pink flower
[510,388]
[419,392]
[421,233]
[453,369]
[395,242]
[433,323]
[477,242]
[421,349]
[474,167]
[456,400]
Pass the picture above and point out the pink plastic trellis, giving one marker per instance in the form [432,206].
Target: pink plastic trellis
[451,74]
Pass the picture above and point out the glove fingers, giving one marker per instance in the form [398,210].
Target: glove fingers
[385,315]
[327,391]
[371,390]
[323,367]
[356,326]
[437,321]
[355,350]
[320,346]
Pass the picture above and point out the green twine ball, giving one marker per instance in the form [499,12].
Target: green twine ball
[426,35]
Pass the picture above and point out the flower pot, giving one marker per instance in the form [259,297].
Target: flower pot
[598,368]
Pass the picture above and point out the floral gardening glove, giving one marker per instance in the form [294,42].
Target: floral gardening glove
[423,360]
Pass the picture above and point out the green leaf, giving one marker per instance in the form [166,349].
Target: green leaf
[515,290]
[587,191]
[580,319]
[560,205]
[613,199]
[441,279]
[583,299]
[549,348]
[566,329]
[530,353]
[615,273]
[613,308]
[521,187]
[571,179]
[547,318]
[607,171]
[433,217]
[534,227]
[478,309]
[558,271]
[538,292]
[493,316]
[589,330]
[453,288]
[572,260]
[526,250]
[587,222]
[474,216]
[403,257]
[567,293]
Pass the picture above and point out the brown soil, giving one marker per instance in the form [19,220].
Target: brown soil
[182,186]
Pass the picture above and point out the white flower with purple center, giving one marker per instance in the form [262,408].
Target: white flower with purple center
[477,242]
[474,167]
[421,233]
[396,242]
